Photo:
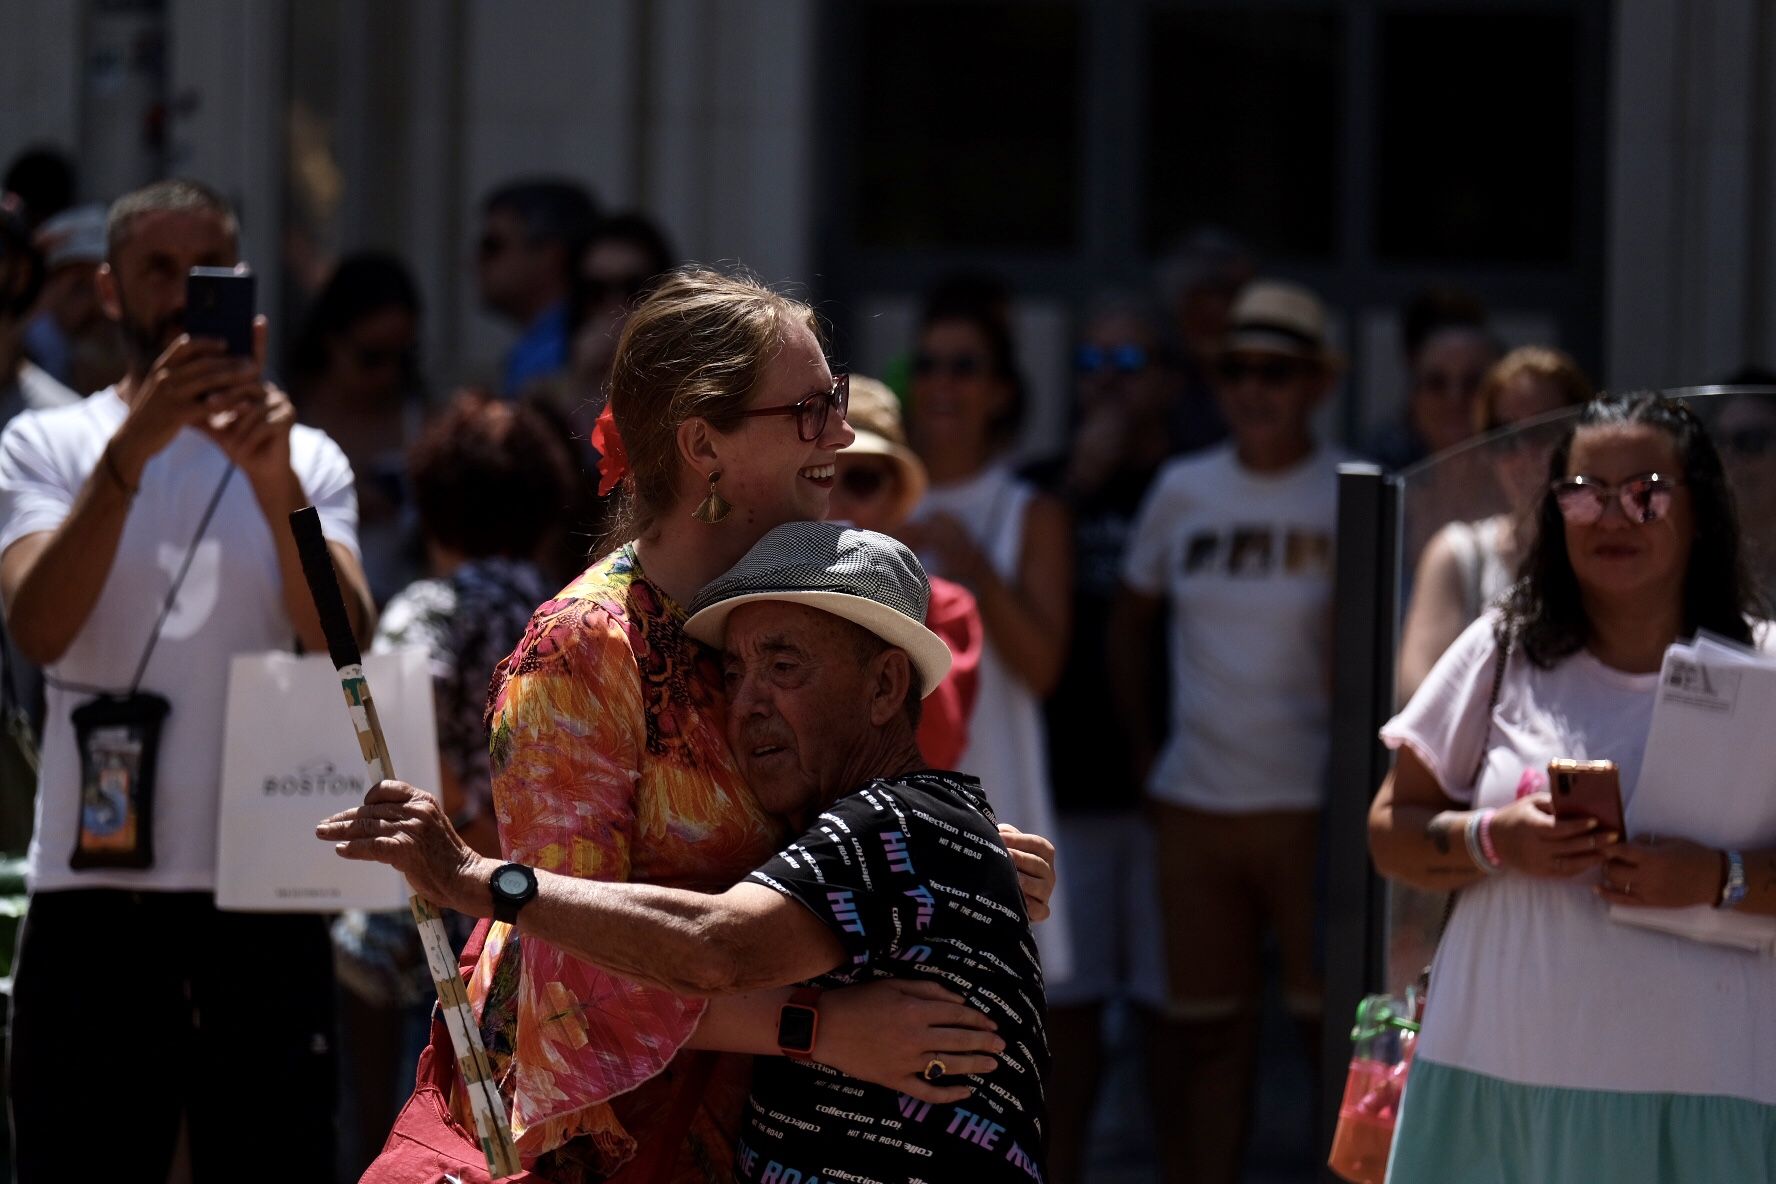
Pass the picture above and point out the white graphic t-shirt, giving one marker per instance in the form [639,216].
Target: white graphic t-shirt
[1244,561]
[231,602]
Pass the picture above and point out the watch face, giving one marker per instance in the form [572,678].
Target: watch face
[795,1028]
[511,882]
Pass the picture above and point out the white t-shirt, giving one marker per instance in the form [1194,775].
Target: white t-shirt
[1245,561]
[1532,983]
[231,602]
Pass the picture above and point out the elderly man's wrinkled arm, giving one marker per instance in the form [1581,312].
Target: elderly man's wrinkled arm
[690,943]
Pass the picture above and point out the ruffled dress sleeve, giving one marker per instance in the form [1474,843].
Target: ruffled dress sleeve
[1444,724]
[568,736]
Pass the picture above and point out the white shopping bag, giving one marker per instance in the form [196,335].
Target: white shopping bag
[290,757]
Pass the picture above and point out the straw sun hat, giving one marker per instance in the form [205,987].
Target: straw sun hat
[875,417]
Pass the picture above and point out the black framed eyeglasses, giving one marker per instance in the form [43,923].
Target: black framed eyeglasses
[811,412]
[1646,498]
[928,365]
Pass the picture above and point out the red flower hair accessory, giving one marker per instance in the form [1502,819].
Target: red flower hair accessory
[613,462]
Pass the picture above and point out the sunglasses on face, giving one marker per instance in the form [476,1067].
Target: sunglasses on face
[1449,385]
[370,357]
[626,289]
[955,365]
[1514,441]
[1269,371]
[862,482]
[1123,359]
[811,412]
[1748,441]
[1647,498]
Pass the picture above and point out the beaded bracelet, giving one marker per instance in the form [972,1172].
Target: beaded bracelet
[1471,834]
[1486,847]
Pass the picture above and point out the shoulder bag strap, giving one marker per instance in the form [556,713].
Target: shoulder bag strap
[1498,682]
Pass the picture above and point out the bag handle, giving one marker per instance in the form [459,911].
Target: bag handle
[1492,700]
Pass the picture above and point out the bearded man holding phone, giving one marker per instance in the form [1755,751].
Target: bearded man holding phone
[141,545]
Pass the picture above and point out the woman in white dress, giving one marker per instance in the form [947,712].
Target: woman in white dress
[983,527]
[1558,1045]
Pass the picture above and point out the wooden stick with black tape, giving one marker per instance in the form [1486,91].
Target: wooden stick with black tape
[491,1124]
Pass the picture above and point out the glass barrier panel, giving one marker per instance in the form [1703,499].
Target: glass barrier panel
[1467,518]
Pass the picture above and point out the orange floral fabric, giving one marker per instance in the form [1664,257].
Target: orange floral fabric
[609,762]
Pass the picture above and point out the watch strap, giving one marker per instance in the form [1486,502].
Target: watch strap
[506,906]
[802,999]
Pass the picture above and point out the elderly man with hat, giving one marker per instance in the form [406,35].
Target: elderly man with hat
[899,873]
[1234,547]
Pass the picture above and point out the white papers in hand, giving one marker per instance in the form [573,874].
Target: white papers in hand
[1710,776]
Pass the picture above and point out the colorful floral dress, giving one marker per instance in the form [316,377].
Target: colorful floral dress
[610,762]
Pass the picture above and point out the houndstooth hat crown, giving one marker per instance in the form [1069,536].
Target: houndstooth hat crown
[867,578]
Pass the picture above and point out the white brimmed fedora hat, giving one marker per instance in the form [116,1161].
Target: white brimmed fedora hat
[869,579]
[1276,317]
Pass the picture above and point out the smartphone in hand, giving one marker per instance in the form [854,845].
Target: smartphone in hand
[219,303]
[1587,789]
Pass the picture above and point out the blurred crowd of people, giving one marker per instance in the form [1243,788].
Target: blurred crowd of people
[1141,623]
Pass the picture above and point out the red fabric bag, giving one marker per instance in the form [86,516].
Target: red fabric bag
[428,1145]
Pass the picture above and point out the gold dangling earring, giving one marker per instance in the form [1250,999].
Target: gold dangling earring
[715,507]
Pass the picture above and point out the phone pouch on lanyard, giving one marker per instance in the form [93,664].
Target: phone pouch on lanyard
[118,735]
[119,741]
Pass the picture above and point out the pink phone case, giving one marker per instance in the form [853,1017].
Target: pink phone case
[1587,789]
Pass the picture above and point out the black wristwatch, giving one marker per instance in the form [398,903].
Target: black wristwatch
[513,886]
[798,1024]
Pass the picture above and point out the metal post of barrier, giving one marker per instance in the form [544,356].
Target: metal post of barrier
[1366,596]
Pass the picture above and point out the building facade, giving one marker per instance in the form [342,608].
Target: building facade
[1601,174]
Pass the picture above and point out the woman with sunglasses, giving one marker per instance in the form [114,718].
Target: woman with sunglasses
[992,532]
[610,761]
[880,482]
[1557,1045]
[1468,565]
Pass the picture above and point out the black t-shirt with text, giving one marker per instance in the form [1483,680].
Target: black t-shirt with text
[911,876]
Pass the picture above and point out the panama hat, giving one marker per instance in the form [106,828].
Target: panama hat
[1275,317]
[874,417]
[869,579]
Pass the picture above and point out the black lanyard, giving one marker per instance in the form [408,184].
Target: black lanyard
[166,607]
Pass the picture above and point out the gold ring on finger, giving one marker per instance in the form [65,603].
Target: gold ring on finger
[934,1069]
